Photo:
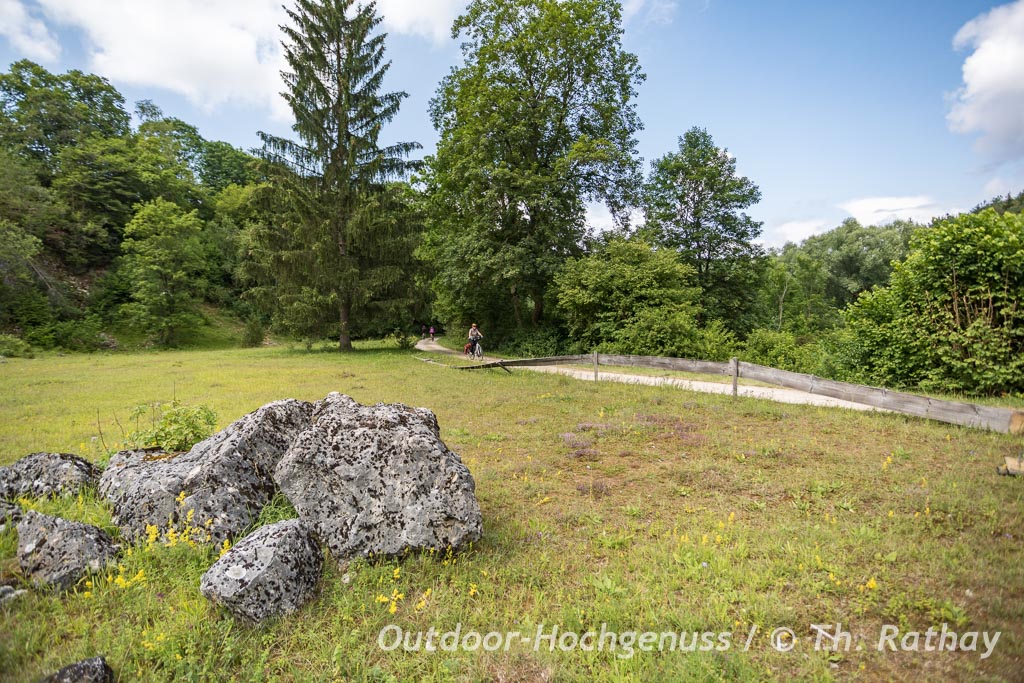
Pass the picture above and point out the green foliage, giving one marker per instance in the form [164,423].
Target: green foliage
[603,293]
[539,118]
[402,339]
[255,332]
[13,347]
[951,318]
[341,244]
[533,342]
[84,334]
[163,261]
[779,349]
[43,113]
[1007,204]
[672,331]
[172,427]
[694,202]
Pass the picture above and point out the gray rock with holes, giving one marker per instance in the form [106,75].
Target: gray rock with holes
[226,479]
[95,670]
[47,474]
[56,552]
[9,513]
[272,571]
[378,480]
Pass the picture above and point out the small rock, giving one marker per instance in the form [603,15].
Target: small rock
[95,670]
[47,474]
[272,571]
[57,552]
[9,513]
[8,593]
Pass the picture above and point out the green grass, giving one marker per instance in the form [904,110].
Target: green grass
[643,508]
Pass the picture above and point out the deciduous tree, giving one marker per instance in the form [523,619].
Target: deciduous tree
[694,204]
[539,119]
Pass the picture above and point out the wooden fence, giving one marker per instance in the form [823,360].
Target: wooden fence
[1005,420]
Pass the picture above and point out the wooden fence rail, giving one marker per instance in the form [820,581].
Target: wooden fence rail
[1005,420]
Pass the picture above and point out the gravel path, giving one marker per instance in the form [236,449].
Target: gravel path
[767,393]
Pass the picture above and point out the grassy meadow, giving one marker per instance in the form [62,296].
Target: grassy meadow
[640,508]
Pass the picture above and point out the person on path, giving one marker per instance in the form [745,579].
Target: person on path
[475,335]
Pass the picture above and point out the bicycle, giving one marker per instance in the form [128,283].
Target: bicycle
[476,352]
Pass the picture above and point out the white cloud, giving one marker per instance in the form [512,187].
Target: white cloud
[600,218]
[650,11]
[431,19]
[797,231]
[881,210]
[27,34]
[991,100]
[212,53]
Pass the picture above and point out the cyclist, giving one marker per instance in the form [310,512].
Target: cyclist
[475,335]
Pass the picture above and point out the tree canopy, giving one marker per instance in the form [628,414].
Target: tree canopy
[539,119]
[694,204]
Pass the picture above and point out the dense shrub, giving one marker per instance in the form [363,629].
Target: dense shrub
[13,347]
[173,426]
[533,343]
[951,319]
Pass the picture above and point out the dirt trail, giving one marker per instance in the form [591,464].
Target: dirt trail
[767,393]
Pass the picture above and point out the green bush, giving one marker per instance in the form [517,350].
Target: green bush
[71,335]
[535,343]
[779,349]
[951,318]
[672,331]
[402,340]
[173,426]
[14,347]
[254,332]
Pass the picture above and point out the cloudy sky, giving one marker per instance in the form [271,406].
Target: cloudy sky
[874,109]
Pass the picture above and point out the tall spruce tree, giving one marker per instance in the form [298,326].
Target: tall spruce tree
[340,244]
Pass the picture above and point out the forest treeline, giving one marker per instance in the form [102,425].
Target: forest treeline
[114,222]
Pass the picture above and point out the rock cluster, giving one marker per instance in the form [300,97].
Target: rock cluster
[366,481]
[95,670]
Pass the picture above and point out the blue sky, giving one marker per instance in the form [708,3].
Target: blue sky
[872,109]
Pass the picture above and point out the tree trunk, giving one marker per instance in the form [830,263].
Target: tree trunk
[538,308]
[517,309]
[345,337]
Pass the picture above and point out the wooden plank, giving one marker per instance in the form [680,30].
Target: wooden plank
[954,412]
[662,363]
[522,362]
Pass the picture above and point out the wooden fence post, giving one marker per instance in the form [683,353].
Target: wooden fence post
[734,368]
[595,366]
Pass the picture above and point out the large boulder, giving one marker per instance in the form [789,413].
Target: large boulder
[225,480]
[272,571]
[47,474]
[56,552]
[378,480]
